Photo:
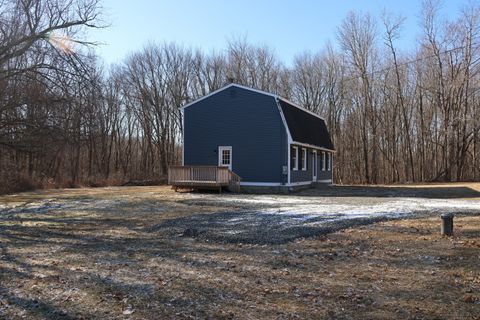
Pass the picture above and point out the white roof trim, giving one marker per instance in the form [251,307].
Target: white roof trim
[276,97]
[284,121]
[253,90]
[226,87]
[301,108]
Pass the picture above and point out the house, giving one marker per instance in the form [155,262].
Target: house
[265,139]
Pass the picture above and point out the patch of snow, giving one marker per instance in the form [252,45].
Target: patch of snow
[391,208]
[313,210]
[233,232]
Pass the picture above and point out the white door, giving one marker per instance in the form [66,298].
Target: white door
[225,156]
[314,166]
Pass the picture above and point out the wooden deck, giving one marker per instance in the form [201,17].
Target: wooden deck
[203,177]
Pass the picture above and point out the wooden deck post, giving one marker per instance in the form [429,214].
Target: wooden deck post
[191,176]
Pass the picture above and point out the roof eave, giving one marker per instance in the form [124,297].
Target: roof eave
[226,87]
[301,108]
[313,146]
[253,90]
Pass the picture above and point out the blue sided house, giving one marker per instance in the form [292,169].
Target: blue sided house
[266,140]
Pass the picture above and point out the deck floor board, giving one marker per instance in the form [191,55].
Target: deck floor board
[202,177]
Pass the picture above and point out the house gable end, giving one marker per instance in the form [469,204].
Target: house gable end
[225,88]
[249,122]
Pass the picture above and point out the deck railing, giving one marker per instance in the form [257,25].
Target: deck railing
[234,182]
[203,176]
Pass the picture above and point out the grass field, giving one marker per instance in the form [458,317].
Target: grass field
[337,253]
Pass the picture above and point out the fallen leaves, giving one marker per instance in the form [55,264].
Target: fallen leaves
[470,299]
[112,268]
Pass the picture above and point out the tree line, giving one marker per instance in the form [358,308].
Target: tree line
[395,115]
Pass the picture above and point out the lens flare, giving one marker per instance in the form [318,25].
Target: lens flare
[62,42]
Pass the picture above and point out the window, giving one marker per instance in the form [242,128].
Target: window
[294,158]
[304,159]
[323,161]
[320,156]
[225,156]
[329,162]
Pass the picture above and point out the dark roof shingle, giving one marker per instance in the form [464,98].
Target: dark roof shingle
[305,127]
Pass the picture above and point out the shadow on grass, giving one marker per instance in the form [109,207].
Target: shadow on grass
[178,283]
[258,228]
[36,307]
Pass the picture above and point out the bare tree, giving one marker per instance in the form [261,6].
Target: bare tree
[357,37]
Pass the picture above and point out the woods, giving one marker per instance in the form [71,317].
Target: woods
[395,115]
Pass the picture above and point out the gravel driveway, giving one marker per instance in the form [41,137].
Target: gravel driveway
[259,219]
[265,219]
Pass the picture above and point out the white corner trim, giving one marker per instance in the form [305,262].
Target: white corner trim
[288,161]
[283,120]
[182,114]
[289,137]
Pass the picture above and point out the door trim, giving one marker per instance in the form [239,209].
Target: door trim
[220,151]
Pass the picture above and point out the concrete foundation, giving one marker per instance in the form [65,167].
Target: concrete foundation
[276,189]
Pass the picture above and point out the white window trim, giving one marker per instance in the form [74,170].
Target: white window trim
[295,162]
[323,160]
[314,165]
[329,162]
[304,162]
[220,149]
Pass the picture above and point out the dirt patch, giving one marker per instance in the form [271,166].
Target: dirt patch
[121,253]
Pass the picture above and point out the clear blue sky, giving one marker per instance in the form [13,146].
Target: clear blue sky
[289,27]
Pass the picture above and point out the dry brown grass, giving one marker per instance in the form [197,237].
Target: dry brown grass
[100,264]
[471,185]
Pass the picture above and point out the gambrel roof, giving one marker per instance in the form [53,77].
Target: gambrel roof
[303,126]
[306,127]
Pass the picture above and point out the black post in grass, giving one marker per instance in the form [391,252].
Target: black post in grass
[447,224]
